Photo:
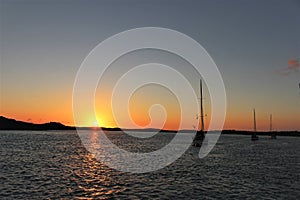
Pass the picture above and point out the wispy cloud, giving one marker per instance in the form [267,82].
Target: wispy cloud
[293,65]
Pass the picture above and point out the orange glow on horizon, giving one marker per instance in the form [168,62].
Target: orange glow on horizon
[43,109]
[231,122]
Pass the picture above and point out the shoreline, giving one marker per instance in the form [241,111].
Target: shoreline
[12,124]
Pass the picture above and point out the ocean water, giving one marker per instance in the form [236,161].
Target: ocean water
[55,165]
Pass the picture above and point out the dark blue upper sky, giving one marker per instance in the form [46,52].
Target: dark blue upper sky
[252,42]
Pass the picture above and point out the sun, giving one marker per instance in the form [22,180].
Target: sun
[96,124]
[101,122]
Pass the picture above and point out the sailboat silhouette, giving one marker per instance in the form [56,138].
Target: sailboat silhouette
[200,134]
[254,136]
[273,134]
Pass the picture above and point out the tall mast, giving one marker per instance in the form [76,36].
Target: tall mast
[200,135]
[271,122]
[254,120]
[201,107]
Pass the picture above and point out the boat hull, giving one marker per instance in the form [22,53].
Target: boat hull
[198,139]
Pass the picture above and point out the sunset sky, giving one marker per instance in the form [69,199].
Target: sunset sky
[255,44]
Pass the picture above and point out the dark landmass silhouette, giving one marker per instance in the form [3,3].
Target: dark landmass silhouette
[12,124]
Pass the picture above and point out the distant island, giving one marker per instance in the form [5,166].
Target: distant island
[12,124]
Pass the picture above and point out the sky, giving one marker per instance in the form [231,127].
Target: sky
[255,44]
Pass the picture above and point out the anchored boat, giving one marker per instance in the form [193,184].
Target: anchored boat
[200,134]
[273,134]
[254,136]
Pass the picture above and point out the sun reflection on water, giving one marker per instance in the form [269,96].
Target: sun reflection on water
[92,178]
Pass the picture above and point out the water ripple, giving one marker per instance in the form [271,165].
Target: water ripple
[54,164]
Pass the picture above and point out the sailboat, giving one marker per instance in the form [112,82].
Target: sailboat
[273,134]
[200,134]
[254,136]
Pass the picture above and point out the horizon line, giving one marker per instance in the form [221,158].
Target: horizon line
[141,129]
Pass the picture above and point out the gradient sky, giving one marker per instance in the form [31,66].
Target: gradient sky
[255,44]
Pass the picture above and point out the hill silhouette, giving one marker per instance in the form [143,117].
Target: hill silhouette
[12,124]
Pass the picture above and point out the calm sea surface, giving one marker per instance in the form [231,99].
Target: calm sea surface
[55,165]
